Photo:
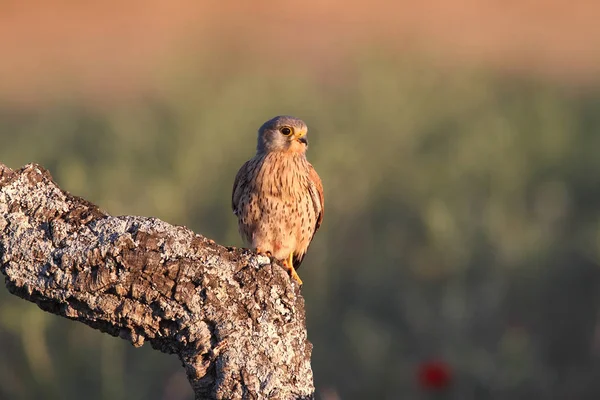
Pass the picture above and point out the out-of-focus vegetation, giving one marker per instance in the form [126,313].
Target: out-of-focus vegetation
[462,223]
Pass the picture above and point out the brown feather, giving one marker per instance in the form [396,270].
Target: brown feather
[277,195]
[316,190]
[238,186]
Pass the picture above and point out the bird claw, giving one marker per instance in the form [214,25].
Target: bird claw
[263,253]
[296,277]
[292,272]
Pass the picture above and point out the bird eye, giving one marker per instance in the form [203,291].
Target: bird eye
[286,131]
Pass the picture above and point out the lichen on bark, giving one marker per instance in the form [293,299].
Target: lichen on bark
[234,318]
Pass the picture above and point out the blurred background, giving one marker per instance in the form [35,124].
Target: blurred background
[457,141]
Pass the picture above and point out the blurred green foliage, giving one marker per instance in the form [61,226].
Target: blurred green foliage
[462,222]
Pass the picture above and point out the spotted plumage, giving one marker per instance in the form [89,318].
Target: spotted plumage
[278,196]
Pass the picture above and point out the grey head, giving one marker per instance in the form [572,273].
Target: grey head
[282,133]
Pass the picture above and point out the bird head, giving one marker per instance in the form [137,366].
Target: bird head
[282,133]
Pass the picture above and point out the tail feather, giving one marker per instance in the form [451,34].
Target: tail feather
[297,260]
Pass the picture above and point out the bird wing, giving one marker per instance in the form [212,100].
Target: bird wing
[316,193]
[241,180]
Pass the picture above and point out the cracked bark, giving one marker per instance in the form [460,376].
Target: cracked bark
[235,320]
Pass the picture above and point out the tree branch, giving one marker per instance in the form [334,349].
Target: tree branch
[234,319]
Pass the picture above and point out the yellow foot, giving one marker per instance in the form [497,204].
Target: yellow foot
[289,267]
[296,277]
[263,253]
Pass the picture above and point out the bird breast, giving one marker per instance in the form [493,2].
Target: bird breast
[284,175]
[278,212]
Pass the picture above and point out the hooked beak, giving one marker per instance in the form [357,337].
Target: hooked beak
[301,137]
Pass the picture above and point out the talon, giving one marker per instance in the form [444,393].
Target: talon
[263,253]
[289,267]
[296,277]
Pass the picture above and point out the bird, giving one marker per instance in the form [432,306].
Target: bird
[277,195]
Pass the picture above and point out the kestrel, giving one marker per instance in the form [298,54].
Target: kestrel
[278,196]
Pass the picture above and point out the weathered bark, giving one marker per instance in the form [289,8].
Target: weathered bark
[235,320]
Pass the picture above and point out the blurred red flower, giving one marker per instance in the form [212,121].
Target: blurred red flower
[434,375]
